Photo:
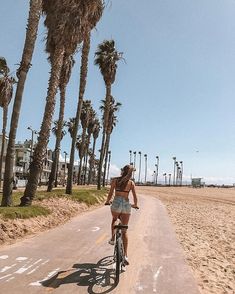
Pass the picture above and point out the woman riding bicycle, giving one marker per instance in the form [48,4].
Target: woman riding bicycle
[121,208]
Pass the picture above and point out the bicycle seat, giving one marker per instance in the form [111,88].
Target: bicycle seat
[121,227]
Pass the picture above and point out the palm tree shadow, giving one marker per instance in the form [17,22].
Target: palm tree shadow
[99,278]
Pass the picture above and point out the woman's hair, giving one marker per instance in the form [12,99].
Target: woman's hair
[122,181]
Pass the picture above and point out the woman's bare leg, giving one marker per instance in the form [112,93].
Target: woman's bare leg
[115,217]
[125,219]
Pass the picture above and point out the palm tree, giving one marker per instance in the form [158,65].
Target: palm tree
[95,134]
[95,10]
[139,166]
[66,71]
[109,154]
[106,57]
[145,177]
[112,120]
[70,125]
[169,179]
[31,35]
[65,22]
[85,117]
[90,127]
[6,91]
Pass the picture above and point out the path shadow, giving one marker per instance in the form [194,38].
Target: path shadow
[99,277]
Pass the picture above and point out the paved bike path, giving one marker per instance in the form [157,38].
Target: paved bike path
[75,257]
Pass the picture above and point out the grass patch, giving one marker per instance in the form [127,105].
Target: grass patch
[89,196]
[23,212]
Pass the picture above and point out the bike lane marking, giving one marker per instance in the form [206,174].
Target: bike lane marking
[95,229]
[101,238]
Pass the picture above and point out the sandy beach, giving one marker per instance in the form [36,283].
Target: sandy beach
[204,221]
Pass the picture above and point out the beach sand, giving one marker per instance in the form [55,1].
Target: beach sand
[204,222]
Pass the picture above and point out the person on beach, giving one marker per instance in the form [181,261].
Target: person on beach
[121,208]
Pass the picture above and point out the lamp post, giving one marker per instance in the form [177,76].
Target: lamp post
[174,158]
[139,166]
[165,178]
[169,179]
[32,138]
[65,164]
[130,151]
[157,167]
[134,165]
[154,174]
[145,176]
[181,175]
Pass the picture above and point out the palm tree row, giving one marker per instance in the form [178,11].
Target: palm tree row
[69,25]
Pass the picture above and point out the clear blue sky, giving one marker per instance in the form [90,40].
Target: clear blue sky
[177,86]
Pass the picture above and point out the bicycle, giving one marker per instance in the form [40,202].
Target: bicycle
[119,257]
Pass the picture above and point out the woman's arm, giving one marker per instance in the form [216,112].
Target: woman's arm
[113,184]
[134,194]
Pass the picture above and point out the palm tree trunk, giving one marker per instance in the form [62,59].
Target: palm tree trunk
[44,134]
[31,35]
[58,140]
[4,125]
[92,162]
[102,152]
[106,157]
[83,76]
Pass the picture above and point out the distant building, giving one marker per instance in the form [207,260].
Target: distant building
[197,182]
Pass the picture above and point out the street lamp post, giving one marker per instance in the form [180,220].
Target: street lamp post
[139,166]
[134,165]
[130,151]
[181,178]
[174,158]
[145,176]
[65,165]
[165,178]
[32,138]
[169,179]
[157,167]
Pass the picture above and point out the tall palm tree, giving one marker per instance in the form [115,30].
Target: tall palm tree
[106,57]
[165,178]
[112,120]
[85,117]
[181,175]
[95,134]
[130,151]
[65,22]
[66,71]
[95,10]
[70,125]
[31,35]
[6,92]
[109,153]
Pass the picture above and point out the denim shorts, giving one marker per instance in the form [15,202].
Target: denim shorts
[121,205]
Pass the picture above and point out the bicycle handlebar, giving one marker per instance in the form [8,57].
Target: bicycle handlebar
[132,205]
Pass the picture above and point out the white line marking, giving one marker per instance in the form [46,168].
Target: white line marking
[39,283]
[5,276]
[94,229]
[24,269]
[3,256]
[10,279]
[21,258]
[7,268]
[155,279]
[32,271]
[78,230]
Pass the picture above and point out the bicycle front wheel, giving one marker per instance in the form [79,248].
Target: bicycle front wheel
[118,259]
